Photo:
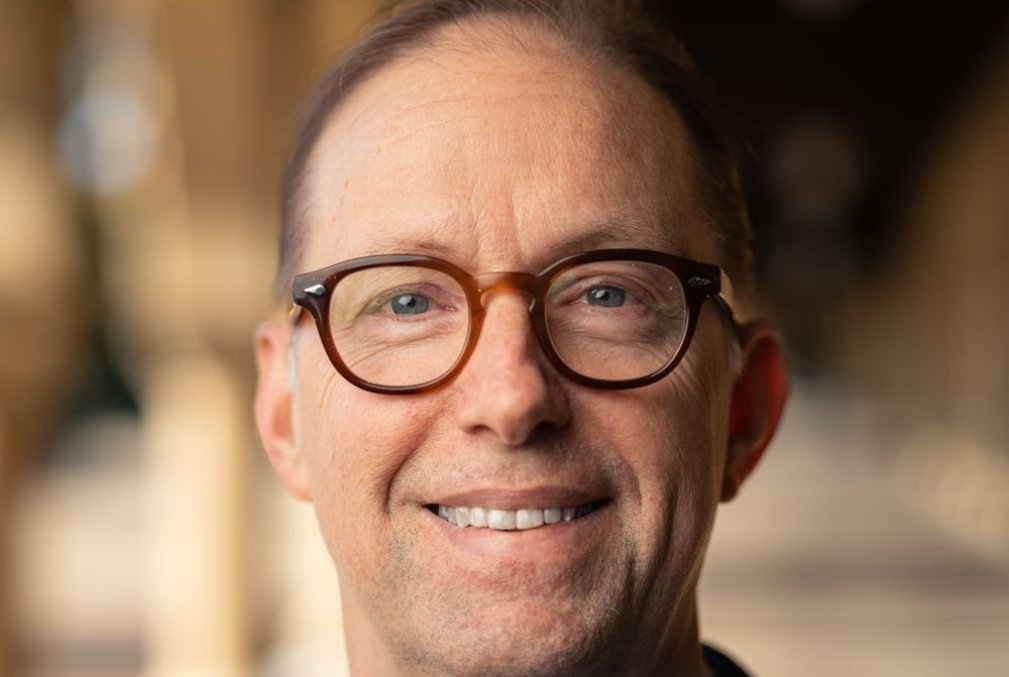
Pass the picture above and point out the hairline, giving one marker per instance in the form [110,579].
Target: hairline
[448,37]
[508,22]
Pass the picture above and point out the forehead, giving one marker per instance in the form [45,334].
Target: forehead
[497,146]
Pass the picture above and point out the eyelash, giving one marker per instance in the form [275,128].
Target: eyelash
[384,300]
[582,287]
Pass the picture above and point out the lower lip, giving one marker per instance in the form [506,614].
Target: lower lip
[560,538]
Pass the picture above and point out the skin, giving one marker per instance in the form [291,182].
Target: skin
[498,148]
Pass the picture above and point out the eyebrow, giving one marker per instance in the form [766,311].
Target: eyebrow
[630,232]
[396,244]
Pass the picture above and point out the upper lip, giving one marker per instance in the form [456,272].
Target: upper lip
[501,498]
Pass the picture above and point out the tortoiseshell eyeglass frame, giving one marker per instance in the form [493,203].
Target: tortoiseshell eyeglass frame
[700,281]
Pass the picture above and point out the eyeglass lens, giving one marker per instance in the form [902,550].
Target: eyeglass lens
[407,325]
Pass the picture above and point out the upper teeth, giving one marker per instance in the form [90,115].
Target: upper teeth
[504,520]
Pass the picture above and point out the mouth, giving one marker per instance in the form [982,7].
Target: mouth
[521,519]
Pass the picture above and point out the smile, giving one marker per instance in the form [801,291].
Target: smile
[512,520]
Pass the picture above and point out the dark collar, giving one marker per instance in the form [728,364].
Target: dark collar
[720,664]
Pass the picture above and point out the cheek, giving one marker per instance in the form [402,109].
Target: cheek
[680,481]
[341,428]
[679,456]
[355,444]
[673,441]
[680,425]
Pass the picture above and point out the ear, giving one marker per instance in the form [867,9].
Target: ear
[758,399]
[274,408]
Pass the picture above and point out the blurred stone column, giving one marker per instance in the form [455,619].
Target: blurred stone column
[934,333]
[193,441]
[192,246]
[43,313]
[43,308]
[173,192]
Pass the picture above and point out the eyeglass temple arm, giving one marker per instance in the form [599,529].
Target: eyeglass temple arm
[727,299]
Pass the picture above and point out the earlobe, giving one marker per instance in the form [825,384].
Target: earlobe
[758,399]
[274,408]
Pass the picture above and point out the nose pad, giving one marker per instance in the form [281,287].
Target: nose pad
[493,283]
[488,294]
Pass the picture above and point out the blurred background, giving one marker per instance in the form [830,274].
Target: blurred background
[141,143]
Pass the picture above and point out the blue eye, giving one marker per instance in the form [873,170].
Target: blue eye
[409,304]
[606,297]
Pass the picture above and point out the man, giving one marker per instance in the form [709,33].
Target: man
[516,472]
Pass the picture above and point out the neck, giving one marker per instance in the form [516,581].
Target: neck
[682,656]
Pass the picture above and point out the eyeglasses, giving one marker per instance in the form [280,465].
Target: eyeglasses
[614,319]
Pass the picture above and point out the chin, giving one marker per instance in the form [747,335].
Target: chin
[522,654]
[530,638]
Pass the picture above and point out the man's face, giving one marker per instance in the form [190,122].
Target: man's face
[499,158]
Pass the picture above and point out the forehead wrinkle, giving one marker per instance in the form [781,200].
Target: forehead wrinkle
[396,121]
[611,234]
[396,109]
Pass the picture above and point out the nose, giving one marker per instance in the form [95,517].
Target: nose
[508,389]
